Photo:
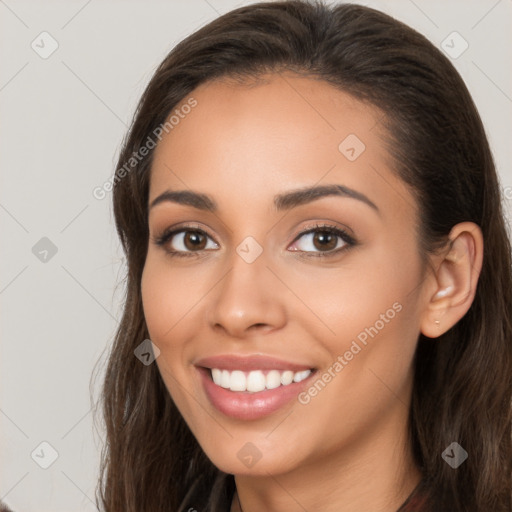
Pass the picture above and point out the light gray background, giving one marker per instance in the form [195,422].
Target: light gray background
[63,119]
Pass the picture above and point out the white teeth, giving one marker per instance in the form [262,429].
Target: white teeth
[273,379]
[286,378]
[256,380]
[301,375]
[217,376]
[238,381]
[225,379]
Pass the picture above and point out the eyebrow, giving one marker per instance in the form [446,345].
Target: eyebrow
[284,201]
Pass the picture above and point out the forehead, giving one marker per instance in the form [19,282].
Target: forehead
[263,136]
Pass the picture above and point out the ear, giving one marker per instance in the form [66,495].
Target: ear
[455,279]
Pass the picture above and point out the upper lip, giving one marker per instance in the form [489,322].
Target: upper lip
[250,362]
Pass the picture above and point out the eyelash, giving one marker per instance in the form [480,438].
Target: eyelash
[167,235]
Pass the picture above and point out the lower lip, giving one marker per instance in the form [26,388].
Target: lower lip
[243,405]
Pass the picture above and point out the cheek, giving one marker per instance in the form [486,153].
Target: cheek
[158,300]
[369,329]
[173,297]
[364,293]
[168,296]
[373,311]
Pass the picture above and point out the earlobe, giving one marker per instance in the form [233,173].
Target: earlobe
[456,278]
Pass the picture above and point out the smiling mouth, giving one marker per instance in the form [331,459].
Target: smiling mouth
[256,380]
[251,388]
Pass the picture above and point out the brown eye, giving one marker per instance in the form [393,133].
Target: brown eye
[322,241]
[325,240]
[194,240]
[183,242]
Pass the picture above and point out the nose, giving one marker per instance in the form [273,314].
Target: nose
[247,300]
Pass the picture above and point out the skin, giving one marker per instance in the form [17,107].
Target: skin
[347,449]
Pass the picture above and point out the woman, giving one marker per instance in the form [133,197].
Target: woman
[317,251]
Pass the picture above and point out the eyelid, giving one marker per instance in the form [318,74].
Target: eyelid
[325,225]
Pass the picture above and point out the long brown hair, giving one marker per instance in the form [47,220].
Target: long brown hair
[463,380]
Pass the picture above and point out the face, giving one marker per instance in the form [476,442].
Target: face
[293,256]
